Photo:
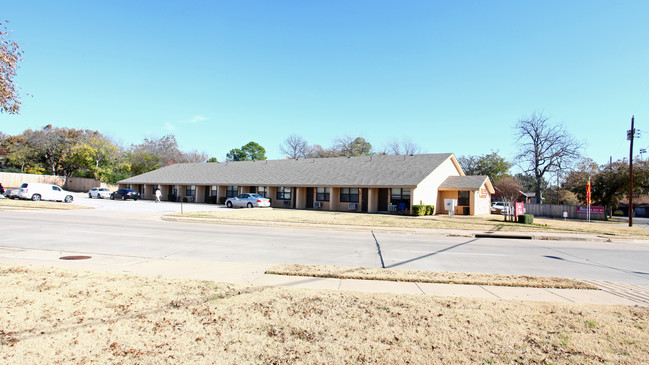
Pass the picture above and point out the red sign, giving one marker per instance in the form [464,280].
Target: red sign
[520,209]
[483,193]
[593,210]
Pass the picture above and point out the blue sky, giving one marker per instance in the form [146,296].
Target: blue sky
[451,76]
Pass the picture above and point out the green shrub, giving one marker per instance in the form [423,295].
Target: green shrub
[430,209]
[222,200]
[211,200]
[185,200]
[526,218]
[171,197]
[421,209]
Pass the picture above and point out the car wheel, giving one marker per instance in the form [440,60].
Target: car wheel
[229,204]
[134,199]
[123,197]
[249,205]
[36,197]
[112,197]
[89,195]
[68,199]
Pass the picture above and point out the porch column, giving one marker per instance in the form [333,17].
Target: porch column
[373,200]
[300,198]
[334,198]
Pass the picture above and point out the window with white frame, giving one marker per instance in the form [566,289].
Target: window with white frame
[231,191]
[400,195]
[263,191]
[190,190]
[322,194]
[283,193]
[349,195]
[213,190]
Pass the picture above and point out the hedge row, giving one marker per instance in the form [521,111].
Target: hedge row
[423,209]
[526,218]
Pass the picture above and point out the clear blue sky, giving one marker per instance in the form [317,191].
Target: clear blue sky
[453,76]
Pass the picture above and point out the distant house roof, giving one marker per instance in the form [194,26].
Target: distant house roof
[467,183]
[364,171]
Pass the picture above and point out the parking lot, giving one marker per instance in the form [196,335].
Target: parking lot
[142,206]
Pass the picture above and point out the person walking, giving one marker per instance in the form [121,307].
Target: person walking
[158,194]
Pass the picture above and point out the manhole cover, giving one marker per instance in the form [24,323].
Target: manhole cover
[75,257]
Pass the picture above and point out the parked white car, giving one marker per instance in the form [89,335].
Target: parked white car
[499,208]
[100,193]
[39,191]
[248,200]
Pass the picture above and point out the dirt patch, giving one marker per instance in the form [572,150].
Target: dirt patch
[345,272]
[62,316]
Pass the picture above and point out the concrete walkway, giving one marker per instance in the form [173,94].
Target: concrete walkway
[254,274]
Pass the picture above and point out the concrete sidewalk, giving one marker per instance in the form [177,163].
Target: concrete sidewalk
[254,274]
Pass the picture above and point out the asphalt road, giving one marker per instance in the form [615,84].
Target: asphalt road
[134,230]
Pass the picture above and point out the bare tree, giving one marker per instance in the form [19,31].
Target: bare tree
[317,151]
[294,147]
[9,57]
[510,189]
[404,147]
[544,147]
[193,157]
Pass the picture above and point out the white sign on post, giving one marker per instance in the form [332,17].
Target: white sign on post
[450,204]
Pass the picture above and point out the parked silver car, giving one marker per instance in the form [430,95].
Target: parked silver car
[100,193]
[248,200]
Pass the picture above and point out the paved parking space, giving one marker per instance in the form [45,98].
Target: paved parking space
[142,206]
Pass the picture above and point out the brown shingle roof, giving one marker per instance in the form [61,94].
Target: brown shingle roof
[364,171]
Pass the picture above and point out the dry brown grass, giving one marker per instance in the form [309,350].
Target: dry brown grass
[57,316]
[346,272]
[28,204]
[492,223]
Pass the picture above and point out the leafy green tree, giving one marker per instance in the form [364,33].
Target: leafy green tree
[353,147]
[212,159]
[528,182]
[10,55]
[248,152]
[19,153]
[492,165]
[153,154]
[577,178]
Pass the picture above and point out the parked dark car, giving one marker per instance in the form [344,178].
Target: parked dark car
[2,190]
[125,194]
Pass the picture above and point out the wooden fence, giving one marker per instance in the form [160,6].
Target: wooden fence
[556,211]
[77,184]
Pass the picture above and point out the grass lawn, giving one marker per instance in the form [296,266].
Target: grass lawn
[492,223]
[28,204]
[61,316]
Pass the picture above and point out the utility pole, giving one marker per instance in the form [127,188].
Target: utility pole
[629,136]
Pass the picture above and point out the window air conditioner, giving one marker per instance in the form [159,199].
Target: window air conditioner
[287,203]
[317,204]
[392,208]
[351,206]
